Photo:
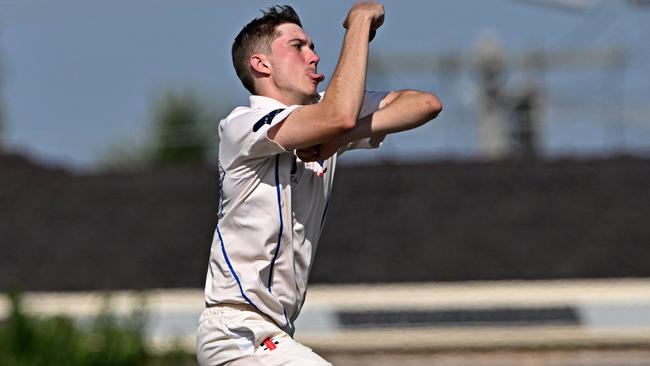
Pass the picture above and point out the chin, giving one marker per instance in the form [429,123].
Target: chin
[310,97]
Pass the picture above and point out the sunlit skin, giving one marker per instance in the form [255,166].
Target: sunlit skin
[316,131]
[290,72]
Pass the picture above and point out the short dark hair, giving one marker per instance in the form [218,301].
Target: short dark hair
[257,36]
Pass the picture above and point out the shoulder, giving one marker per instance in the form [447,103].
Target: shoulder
[243,119]
[239,113]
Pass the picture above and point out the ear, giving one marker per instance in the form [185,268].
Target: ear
[260,63]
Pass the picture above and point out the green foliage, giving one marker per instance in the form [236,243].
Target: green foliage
[180,138]
[183,132]
[27,340]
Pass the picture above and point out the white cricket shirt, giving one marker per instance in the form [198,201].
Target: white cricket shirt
[272,209]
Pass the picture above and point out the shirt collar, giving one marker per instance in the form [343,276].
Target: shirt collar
[261,102]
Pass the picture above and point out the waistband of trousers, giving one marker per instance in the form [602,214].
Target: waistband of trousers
[239,307]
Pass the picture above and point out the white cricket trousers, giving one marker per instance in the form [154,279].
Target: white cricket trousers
[235,335]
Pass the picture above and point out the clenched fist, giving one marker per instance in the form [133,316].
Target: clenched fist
[364,10]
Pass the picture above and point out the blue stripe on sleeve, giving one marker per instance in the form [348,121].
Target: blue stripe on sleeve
[267,119]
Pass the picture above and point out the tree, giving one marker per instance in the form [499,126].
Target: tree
[183,132]
[179,130]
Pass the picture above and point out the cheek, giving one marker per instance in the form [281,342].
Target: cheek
[281,62]
[288,66]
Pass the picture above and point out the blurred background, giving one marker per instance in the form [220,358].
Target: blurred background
[510,230]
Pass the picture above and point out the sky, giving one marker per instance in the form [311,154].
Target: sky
[80,78]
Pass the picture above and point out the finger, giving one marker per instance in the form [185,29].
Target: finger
[306,154]
[307,151]
[302,155]
[308,159]
[377,23]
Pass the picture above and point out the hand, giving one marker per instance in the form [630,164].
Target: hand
[327,149]
[318,152]
[370,9]
[307,154]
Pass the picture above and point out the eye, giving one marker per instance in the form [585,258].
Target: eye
[297,46]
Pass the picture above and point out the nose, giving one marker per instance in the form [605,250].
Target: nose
[313,57]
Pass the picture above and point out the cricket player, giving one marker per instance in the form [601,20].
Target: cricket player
[277,159]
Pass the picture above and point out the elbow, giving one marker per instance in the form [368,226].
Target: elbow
[428,104]
[433,105]
[337,118]
[345,123]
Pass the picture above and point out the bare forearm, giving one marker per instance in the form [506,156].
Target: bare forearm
[345,91]
[408,110]
[399,111]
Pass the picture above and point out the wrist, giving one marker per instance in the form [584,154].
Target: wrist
[360,20]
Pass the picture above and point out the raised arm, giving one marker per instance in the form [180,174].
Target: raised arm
[399,111]
[337,113]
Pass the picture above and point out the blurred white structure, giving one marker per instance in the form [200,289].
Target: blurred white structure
[409,317]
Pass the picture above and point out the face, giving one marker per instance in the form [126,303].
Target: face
[294,65]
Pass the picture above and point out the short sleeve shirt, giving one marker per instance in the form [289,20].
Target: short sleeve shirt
[272,208]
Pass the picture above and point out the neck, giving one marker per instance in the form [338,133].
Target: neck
[285,97]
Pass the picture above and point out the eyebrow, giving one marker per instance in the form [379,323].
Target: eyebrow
[302,41]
